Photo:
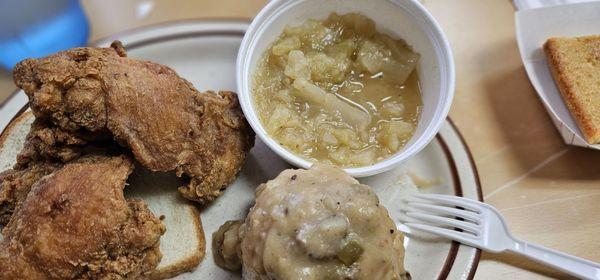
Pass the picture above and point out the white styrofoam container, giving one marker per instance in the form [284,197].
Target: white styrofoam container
[406,19]
[533,28]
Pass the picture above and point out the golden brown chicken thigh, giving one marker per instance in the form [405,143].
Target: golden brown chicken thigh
[76,224]
[146,107]
[15,184]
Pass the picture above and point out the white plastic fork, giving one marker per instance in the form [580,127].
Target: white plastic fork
[480,225]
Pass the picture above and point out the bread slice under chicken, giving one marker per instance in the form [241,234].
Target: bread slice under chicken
[182,246]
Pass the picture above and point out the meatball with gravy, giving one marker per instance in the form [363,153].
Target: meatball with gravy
[313,224]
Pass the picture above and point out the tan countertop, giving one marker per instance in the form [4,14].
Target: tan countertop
[548,192]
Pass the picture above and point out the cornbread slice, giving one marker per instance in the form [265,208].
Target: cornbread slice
[575,65]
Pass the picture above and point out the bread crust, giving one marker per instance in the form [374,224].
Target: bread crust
[190,263]
[565,81]
[16,121]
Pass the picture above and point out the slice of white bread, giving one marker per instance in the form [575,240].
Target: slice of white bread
[12,139]
[182,246]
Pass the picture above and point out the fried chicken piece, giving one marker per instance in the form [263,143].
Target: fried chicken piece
[15,184]
[147,107]
[76,224]
[45,141]
[46,148]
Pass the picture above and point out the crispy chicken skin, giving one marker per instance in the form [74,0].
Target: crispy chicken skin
[15,185]
[76,224]
[47,142]
[146,107]
[46,149]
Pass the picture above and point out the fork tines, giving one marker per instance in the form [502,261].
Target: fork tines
[449,216]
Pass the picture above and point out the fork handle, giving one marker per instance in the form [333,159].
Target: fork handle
[572,265]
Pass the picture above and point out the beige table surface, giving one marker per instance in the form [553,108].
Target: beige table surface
[548,192]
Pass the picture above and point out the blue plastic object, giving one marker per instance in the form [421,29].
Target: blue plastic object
[36,28]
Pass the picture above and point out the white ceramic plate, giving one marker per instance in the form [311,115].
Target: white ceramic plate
[204,53]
